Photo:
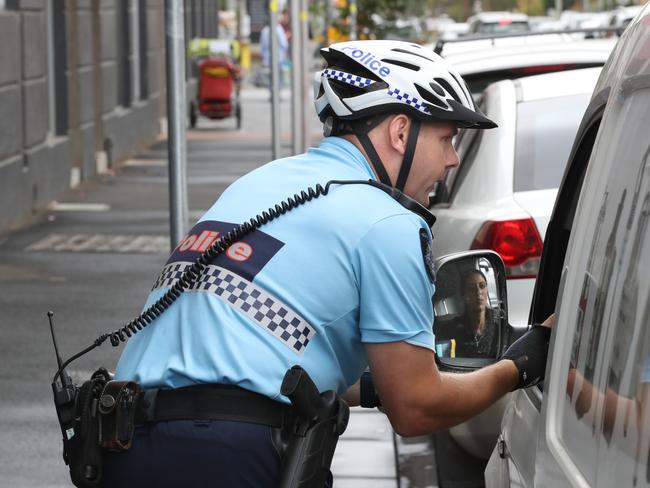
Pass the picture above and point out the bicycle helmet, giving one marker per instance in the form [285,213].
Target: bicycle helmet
[363,79]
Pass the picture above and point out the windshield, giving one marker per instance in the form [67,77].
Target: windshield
[545,132]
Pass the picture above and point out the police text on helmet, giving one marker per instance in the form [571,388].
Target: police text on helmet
[367,60]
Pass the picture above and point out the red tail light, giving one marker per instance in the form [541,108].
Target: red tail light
[518,243]
[545,68]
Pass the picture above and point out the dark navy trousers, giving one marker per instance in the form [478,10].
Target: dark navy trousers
[187,453]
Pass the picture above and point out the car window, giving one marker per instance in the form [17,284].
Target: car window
[599,371]
[624,422]
[545,132]
[477,82]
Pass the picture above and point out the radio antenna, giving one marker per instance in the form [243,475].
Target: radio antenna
[50,314]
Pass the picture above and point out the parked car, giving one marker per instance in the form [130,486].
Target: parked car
[498,23]
[502,194]
[588,425]
[500,198]
[622,16]
[462,452]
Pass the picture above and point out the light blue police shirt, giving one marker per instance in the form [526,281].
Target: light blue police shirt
[308,288]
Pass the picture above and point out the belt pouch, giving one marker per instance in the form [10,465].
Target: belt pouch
[117,405]
[83,452]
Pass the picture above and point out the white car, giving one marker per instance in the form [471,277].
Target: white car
[501,196]
[498,23]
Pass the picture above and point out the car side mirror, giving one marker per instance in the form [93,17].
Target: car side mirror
[470,310]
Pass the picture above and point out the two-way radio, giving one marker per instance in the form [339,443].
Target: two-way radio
[65,392]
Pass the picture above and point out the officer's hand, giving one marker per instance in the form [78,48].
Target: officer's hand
[529,353]
[550,321]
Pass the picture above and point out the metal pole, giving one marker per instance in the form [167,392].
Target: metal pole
[353,20]
[275,79]
[327,13]
[297,72]
[307,74]
[176,110]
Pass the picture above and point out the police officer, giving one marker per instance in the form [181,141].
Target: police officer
[338,283]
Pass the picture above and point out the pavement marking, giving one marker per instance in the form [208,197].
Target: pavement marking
[102,243]
[78,207]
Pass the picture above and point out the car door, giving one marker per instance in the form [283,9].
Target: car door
[592,370]
[514,458]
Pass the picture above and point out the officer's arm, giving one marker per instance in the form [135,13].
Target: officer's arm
[419,399]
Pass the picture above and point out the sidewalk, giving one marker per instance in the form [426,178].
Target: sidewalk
[365,455]
[92,259]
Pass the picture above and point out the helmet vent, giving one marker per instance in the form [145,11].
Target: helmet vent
[405,51]
[403,64]
[436,88]
[345,90]
[445,84]
[462,84]
[430,98]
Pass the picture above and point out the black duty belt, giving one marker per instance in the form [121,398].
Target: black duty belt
[210,402]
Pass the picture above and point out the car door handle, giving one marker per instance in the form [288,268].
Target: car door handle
[502,448]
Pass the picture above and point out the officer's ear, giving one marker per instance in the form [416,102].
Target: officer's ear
[398,131]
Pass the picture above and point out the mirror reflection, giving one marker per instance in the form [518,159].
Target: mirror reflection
[467,310]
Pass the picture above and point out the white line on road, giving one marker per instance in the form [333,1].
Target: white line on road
[78,207]
[102,243]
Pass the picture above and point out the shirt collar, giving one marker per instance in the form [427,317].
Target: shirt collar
[350,154]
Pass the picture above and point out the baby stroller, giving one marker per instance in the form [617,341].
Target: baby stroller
[218,94]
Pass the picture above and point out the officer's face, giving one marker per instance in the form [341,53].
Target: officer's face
[434,154]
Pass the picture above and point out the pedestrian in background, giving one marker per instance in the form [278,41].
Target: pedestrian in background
[265,51]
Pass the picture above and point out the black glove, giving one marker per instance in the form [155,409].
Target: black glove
[529,355]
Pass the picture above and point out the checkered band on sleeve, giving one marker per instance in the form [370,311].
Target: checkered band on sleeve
[265,310]
[348,78]
[409,100]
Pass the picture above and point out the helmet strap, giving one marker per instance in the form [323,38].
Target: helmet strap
[412,142]
[374,158]
[361,129]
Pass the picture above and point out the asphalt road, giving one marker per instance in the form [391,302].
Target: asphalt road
[93,262]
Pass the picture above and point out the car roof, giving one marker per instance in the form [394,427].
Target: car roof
[622,13]
[558,84]
[494,17]
[507,55]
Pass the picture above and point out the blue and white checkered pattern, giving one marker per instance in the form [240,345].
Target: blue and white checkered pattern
[409,100]
[348,78]
[265,310]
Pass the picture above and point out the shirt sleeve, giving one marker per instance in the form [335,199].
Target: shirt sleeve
[395,289]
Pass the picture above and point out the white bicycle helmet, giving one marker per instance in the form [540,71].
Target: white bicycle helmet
[364,79]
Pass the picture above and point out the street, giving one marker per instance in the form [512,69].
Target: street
[92,258]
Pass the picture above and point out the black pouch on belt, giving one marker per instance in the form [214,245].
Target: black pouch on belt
[117,406]
[82,451]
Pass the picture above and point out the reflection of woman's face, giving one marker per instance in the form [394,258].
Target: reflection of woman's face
[475,292]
